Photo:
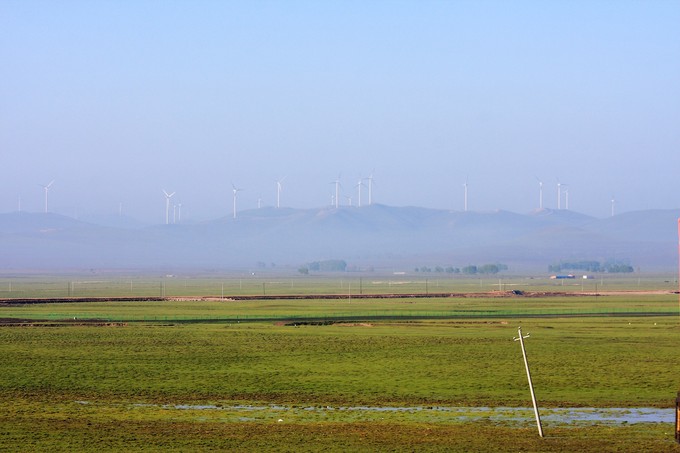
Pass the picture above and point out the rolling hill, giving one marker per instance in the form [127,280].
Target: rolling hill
[371,236]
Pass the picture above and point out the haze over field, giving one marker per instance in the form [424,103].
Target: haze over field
[116,101]
[371,237]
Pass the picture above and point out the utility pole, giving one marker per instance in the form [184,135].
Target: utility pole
[521,338]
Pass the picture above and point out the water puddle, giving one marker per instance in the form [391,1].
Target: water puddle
[613,415]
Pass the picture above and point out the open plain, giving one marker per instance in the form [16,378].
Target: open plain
[408,373]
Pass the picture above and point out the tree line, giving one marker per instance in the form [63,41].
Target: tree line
[324,266]
[470,269]
[591,266]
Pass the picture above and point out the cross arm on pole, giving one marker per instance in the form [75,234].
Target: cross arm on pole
[523,336]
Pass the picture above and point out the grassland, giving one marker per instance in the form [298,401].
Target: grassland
[259,283]
[347,308]
[170,384]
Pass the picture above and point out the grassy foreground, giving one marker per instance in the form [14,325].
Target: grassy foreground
[166,435]
[142,386]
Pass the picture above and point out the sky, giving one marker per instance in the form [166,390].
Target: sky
[117,101]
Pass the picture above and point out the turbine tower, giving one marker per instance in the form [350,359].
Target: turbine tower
[358,186]
[370,189]
[465,192]
[47,191]
[540,193]
[235,190]
[559,195]
[279,188]
[167,205]
[337,191]
[613,203]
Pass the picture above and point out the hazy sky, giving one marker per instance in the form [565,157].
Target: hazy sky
[117,100]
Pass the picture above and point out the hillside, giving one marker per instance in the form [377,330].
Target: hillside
[370,236]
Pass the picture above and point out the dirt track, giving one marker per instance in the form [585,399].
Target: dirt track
[489,294]
[17,322]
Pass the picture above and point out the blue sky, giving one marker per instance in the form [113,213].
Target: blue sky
[115,101]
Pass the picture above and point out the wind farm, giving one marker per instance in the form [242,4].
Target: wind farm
[361,191]
[363,205]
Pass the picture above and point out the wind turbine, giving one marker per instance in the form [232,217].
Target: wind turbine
[540,193]
[358,186]
[337,191]
[465,189]
[566,198]
[559,195]
[370,189]
[613,202]
[47,191]
[279,188]
[235,190]
[167,205]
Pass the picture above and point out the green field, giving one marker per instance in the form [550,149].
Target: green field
[388,379]
[266,283]
[347,308]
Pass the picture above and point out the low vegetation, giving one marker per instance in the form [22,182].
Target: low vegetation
[247,386]
[592,266]
[324,266]
[471,269]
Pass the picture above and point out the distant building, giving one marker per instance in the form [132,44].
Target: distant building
[559,277]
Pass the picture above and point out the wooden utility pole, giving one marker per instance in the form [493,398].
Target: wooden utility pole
[521,338]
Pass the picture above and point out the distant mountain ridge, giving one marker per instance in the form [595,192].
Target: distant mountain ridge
[376,236]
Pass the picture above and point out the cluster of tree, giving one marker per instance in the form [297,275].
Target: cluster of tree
[614,268]
[469,270]
[439,269]
[591,266]
[324,266]
[484,269]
